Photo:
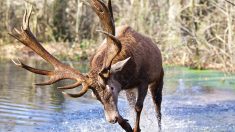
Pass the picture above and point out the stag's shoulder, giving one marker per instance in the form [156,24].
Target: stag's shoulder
[127,33]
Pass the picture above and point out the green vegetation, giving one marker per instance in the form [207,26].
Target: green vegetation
[60,22]
[194,33]
[205,78]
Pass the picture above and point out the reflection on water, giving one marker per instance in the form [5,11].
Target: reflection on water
[193,101]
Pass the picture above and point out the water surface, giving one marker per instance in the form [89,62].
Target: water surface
[193,101]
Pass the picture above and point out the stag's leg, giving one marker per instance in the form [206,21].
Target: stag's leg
[142,92]
[124,124]
[131,97]
[156,91]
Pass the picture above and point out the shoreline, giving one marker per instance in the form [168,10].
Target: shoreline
[75,52]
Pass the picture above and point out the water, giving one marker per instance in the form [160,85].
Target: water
[192,101]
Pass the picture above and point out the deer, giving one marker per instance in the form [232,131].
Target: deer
[124,61]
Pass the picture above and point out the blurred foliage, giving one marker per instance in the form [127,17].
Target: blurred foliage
[194,33]
[61,30]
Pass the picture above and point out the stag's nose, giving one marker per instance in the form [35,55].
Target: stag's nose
[113,121]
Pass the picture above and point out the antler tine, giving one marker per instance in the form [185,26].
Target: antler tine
[70,86]
[31,69]
[60,72]
[111,10]
[17,31]
[16,63]
[116,41]
[16,36]
[49,82]
[81,93]
[105,15]
[26,18]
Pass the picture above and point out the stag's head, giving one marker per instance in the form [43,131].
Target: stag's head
[107,89]
[107,85]
[103,83]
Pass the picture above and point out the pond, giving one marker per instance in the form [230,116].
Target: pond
[192,101]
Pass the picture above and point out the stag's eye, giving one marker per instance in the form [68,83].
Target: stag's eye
[112,88]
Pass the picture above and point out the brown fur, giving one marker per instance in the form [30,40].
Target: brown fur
[143,70]
[144,54]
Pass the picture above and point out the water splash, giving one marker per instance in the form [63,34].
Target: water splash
[191,102]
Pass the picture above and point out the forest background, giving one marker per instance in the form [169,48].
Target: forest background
[194,33]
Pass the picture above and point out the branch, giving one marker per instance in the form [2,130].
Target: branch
[230,2]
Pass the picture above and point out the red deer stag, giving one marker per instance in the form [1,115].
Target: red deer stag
[124,61]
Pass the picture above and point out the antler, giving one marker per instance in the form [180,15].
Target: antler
[105,15]
[61,71]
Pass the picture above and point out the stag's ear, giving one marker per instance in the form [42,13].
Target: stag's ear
[119,65]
